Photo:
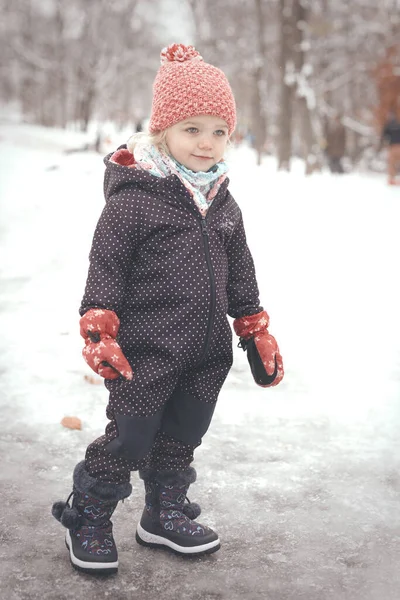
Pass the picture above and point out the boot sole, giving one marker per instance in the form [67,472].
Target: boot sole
[92,568]
[150,540]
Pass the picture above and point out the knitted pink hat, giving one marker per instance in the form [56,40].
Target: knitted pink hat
[186,86]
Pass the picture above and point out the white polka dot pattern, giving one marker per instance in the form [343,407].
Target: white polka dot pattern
[148,264]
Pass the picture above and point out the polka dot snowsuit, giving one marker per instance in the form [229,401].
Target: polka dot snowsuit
[172,277]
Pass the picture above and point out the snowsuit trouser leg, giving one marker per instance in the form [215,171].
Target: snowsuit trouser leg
[157,425]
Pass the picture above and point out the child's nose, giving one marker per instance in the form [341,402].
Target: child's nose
[205,142]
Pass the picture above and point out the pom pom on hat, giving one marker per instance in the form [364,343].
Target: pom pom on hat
[179,53]
[186,86]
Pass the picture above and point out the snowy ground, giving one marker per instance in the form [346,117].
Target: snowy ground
[302,481]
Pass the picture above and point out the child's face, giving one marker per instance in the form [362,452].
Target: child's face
[198,143]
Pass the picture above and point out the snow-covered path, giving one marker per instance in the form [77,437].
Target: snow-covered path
[302,482]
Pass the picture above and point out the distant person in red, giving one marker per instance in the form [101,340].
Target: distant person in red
[391,138]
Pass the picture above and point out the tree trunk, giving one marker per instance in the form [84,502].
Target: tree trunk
[259,120]
[284,142]
[60,75]
[258,124]
[305,97]
[204,41]
[27,82]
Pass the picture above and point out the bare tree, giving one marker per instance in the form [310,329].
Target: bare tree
[286,66]
[65,58]
[259,99]
[304,94]
[291,63]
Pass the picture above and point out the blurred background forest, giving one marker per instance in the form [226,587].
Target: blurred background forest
[293,65]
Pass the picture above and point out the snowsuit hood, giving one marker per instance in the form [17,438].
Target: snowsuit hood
[121,172]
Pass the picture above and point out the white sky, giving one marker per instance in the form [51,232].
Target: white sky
[175,19]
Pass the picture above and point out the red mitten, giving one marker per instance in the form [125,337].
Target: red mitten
[106,358]
[262,350]
[101,321]
[102,353]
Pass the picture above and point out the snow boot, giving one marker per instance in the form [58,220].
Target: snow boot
[89,536]
[167,521]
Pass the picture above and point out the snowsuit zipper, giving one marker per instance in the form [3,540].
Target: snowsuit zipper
[211,317]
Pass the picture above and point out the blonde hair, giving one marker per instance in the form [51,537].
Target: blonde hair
[157,139]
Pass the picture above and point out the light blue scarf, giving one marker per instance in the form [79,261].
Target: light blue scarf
[203,186]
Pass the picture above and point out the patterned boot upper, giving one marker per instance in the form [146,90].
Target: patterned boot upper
[167,503]
[95,529]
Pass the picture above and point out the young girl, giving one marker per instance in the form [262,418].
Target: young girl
[169,262]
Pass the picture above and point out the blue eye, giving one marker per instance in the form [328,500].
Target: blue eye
[192,130]
[220,132]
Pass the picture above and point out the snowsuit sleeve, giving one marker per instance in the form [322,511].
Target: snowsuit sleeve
[243,294]
[111,256]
